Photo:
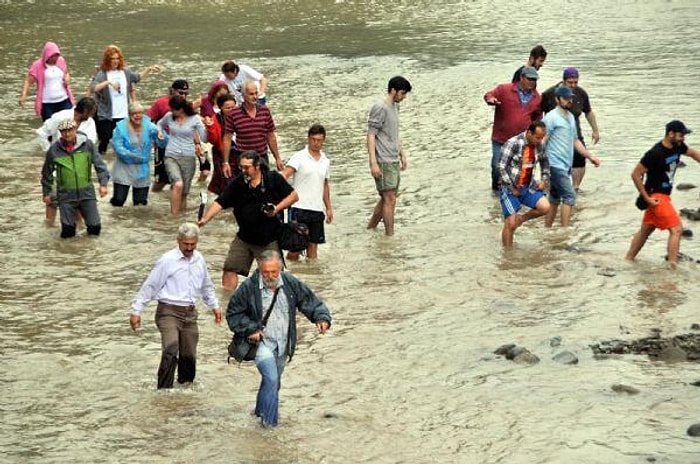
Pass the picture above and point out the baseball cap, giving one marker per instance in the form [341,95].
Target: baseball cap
[66,124]
[677,126]
[563,91]
[530,72]
[570,73]
[180,84]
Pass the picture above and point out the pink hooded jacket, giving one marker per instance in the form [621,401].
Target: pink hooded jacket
[36,70]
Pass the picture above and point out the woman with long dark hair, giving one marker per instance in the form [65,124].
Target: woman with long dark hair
[215,136]
[184,147]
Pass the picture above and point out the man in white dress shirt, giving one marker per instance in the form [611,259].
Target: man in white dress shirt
[178,279]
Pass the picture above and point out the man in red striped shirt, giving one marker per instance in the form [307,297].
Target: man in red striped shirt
[254,128]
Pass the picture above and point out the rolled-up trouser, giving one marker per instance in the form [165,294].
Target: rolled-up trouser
[179,336]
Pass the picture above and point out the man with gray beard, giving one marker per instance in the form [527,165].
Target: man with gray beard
[280,294]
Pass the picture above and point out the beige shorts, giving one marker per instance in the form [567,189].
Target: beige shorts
[241,254]
[390,178]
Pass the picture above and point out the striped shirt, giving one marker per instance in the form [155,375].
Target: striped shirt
[251,133]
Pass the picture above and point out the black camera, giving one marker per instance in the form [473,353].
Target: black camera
[267,208]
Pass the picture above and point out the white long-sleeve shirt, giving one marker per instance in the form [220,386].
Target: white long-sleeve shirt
[50,128]
[178,281]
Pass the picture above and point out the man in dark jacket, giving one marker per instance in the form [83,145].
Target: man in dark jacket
[280,293]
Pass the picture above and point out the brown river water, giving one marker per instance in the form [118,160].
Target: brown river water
[407,373]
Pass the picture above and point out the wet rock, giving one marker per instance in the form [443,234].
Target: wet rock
[694,430]
[555,341]
[503,349]
[607,272]
[620,388]
[515,352]
[672,354]
[683,347]
[687,233]
[693,214]
[330,415]
[566,357]
[526,358]
[651,459]
[696,383]
[695,326]
[685,186]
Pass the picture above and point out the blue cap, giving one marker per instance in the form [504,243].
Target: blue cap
[530,72]
[563,91]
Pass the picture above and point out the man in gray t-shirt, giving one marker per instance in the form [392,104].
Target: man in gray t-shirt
[386,156]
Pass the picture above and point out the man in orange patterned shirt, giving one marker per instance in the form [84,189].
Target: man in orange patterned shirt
[518,186]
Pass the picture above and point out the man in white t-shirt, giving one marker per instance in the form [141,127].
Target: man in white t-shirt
[235,75]
[82,114]
[311,170]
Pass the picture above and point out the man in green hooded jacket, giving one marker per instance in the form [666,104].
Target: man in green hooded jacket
[68,162]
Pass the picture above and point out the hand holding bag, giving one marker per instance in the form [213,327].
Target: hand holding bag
[293,236]
[240,348]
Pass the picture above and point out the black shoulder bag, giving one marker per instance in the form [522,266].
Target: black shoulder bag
[240,348]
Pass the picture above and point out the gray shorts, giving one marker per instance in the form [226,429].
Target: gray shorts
[181,169]
[241,254]
[390,178]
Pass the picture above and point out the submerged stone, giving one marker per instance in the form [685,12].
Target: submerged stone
[620,388]
[526,358]
[566,357]
[694,430]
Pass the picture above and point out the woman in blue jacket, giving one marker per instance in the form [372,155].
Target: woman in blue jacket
[133,140]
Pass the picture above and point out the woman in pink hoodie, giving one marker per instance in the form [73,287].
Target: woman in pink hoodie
[50,74]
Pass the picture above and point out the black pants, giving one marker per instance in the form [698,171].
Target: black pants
[121,192]
[105,128]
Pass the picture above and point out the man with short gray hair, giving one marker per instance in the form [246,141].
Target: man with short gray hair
[254,128]
[270,290]
[178,278]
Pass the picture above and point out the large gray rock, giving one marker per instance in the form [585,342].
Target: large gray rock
[566,357]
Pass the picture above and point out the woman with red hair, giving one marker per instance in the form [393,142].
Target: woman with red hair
[52,79]
[113,87]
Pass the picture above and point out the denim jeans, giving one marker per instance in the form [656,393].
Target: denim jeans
[270,365]
[495,159]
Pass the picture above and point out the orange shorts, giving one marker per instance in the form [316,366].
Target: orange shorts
[662,216]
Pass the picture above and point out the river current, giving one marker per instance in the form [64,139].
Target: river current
[407,373]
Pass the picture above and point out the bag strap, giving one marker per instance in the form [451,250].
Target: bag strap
[272,305]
